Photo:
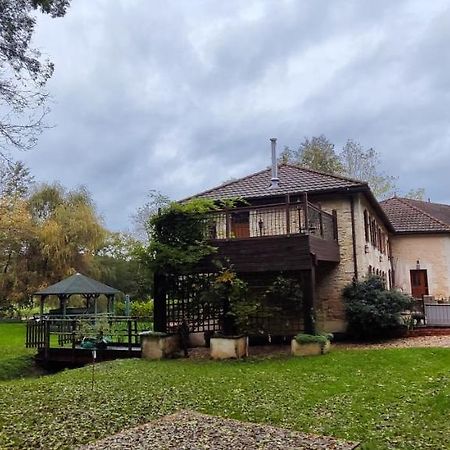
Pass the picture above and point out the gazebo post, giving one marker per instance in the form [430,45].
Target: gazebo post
[62,303]
[41,305]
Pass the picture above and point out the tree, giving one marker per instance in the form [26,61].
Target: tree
[155,201]
[15,179]
[363,164]
[316,153]
[23,72]
[117,264]
[416,194]
[45,237]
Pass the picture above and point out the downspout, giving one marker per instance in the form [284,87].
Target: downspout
[355,255]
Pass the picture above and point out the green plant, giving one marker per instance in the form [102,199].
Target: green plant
[178,236]
[372,310]
[321,339]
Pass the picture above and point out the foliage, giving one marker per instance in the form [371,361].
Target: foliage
[359,395]
[178,236]
[138,308]
[416,194]
[24,73]
[372,310]
[15,179]
[317,153]
[321,339]
[155,202]
[242,306]
[44,238]
[287,289]
[117,264]
[353,161]
[364,164]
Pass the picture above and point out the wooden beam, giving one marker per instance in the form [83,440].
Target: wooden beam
[309,299]
[159,311]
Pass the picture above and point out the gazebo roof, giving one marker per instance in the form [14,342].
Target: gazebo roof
[78,284]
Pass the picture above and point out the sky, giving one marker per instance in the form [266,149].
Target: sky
[179,96]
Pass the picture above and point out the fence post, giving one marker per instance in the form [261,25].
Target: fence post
[129,335]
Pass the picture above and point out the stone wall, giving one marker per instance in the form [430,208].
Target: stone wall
[332,278]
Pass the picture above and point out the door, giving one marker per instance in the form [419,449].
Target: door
[419,283]
[240,224]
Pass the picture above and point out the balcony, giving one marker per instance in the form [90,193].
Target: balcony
[276,237]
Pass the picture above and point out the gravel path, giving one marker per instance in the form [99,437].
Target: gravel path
[273,351]
[190,430]
[420,341]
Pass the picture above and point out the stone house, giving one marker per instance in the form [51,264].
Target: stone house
[420,246]
[324,230]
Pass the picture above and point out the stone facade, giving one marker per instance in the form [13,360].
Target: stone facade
[431,252]
[331,279]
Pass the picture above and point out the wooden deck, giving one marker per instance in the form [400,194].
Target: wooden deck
[58,339]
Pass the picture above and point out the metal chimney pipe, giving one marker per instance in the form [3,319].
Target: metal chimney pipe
[274,182]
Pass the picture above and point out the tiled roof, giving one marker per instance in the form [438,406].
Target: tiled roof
[415,216]
[293,179]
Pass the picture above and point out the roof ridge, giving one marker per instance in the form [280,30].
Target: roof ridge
[320,172]
[405,201]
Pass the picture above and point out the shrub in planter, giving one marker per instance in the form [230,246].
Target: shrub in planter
[311,344]
[373,311]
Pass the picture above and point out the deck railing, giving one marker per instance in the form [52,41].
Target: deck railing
[271,220]
[57,331]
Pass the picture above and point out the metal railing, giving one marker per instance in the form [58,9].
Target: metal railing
[271,220]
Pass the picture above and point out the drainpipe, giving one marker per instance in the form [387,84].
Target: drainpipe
[355,255]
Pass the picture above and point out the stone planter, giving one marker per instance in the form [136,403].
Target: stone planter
[229,347]
[159,345]
[309,349]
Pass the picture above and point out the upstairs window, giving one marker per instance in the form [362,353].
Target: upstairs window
[366,226]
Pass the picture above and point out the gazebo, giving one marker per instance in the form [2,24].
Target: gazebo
[82,285]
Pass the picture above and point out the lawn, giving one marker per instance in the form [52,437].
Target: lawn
[396,398]
[15,359]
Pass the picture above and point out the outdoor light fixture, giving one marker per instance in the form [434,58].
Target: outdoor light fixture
[417,265]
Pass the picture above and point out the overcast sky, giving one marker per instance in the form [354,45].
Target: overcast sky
[181,95]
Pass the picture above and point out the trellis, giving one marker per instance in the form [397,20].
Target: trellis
[185,305]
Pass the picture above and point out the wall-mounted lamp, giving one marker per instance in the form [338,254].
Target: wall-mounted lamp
[366,248]
[417,265]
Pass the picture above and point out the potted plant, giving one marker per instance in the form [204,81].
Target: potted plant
[156,345]
[229,291]
[311,344]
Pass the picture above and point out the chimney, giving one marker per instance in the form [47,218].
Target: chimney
[274,182]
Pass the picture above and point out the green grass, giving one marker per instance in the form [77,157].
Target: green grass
[15,360]
[396,398]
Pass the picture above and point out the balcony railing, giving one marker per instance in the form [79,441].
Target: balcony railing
[282,219]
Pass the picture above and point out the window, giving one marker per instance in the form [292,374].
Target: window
[366,225]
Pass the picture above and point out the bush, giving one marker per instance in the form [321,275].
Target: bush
[372,310]
[138,308]
[313,338]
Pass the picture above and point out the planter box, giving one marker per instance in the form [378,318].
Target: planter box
[159,345]
[229,347]
[313,348]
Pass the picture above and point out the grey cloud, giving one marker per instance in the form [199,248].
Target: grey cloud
[180,96]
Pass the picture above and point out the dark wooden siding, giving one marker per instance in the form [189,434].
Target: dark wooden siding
[324,250]
[273,254]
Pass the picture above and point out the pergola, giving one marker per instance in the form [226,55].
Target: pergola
[78,284]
